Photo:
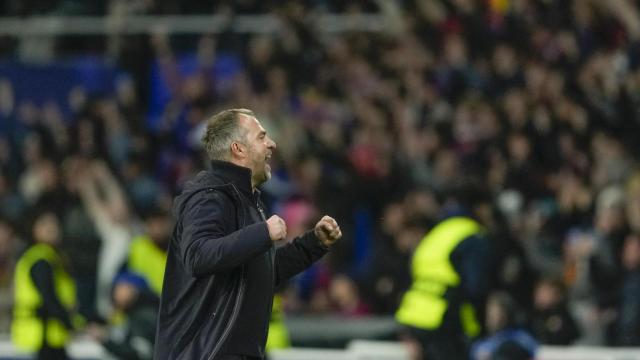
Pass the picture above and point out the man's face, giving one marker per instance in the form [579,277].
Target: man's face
[47,229]
[259,149]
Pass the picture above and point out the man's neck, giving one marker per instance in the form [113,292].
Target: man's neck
[241,163]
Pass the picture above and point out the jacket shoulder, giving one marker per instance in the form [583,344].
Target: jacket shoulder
[212,196]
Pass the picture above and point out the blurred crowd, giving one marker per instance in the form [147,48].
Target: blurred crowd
[540,99]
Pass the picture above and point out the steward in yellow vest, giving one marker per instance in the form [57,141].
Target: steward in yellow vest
[148,253]
[148,261]
[45,295]
[451,276]
[278,337]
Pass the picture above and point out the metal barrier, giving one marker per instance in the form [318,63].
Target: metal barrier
[85,349]
[81,348]
[587,353]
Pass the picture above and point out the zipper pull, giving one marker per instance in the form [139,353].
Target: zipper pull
[261,210]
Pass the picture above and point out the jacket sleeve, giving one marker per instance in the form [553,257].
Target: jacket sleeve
[208,243]
[471,260]
[297,255]
[42,276]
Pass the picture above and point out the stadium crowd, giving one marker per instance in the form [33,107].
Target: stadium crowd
[540,99]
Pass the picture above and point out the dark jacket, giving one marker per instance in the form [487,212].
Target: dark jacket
[205,277]
[555,325]
[628,324]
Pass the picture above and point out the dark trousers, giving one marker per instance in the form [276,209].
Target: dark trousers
[436,346]
[239,357]
[49,353]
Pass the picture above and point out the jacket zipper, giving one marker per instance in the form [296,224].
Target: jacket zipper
[272,258]
[238,304]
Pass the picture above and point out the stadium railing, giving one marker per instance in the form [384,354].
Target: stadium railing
[86,349]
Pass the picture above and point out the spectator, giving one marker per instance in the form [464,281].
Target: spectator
[593,270]
[628,324]
[45,296]
[81,238]
[148,252]
[345,298]
[10,247]
[106,204]
[552,322]
[12,204]
[388,275]
[137,306]
[507,339]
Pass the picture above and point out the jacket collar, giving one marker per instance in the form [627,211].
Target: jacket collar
[231,173]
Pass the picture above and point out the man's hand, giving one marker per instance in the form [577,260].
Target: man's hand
[277,228]
[327,231]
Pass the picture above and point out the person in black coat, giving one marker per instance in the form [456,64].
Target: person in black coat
[223,264]
[552,322]
[628,324]
[132,338]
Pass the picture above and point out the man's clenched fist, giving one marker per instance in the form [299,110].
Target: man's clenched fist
[277,228]
[327,231]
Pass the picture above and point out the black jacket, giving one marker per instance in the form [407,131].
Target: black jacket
[205,279]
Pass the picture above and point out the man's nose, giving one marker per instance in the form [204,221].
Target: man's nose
[271,144]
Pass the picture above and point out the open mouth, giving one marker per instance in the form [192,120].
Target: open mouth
[267,160]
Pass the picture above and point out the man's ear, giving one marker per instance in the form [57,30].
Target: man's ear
[237,149]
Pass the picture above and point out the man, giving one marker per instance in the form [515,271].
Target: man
[45,294]
[507,335]
[222,264]
[627,327]
[132,336]
[450,270]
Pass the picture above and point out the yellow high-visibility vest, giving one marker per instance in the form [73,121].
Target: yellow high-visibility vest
[27,328]
[424,304]
[278,337]
[148,260]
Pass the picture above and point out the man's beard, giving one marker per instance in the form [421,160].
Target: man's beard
[263,175]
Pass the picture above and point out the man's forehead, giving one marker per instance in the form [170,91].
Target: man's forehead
[251,122]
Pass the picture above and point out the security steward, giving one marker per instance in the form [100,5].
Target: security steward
[45,295]
[450,271]
[278,337]
[148,252]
